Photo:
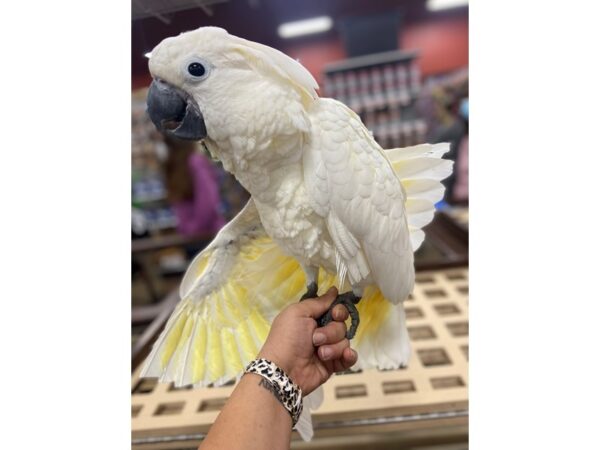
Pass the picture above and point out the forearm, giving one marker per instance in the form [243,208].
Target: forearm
[252,419]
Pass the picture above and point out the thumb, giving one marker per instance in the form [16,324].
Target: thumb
[316,307]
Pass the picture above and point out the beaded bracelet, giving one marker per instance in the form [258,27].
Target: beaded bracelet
[289,394]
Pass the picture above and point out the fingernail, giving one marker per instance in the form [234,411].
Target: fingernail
[326,352]
[318,338]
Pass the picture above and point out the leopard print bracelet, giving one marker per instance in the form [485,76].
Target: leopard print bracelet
[289,394]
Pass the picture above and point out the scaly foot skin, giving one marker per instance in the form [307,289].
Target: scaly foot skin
[311,291]
[349,300]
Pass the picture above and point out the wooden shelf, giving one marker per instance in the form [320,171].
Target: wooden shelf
[173,240]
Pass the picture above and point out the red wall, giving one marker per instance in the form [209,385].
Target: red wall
[443,44]
[316,55]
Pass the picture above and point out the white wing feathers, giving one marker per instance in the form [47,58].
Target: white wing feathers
[354,186]
[206,275]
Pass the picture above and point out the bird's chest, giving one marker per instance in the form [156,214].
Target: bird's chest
[276,183]
[288,217]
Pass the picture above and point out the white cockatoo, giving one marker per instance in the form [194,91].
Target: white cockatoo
[329,207]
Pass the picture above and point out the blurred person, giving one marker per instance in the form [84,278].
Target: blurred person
[461,187]
[255,417]
[192,189]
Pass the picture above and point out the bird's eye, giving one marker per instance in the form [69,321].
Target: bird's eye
[196,69]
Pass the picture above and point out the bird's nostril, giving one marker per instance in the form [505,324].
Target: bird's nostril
[161,84]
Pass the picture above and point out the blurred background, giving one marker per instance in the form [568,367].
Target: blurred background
[403,67]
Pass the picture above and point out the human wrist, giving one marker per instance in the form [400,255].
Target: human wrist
[279,384]
[288,365]
[257,381]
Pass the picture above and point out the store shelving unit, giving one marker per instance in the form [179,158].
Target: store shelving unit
[149,195]
[383,89]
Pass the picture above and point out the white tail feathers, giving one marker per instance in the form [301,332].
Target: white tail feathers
[389,346]
[311,402]
[420,170]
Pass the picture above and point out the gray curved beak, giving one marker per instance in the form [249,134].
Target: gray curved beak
[174,112]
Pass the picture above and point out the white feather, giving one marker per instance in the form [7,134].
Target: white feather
[426,189]
[341,269]
[418,151]
[312,401]
[437,169]
[304,425]
[419,211]
[417,236]
[285,66]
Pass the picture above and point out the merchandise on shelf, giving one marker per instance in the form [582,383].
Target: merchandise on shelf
[383,90]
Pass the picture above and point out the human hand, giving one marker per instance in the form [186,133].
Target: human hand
[294,335]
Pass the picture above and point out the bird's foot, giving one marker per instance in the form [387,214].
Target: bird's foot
[349,300]
[311,291]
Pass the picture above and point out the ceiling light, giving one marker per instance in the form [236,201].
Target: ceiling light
[148,55]
[437,5]
[302,27]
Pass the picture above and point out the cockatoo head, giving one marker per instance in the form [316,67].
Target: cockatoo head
[210,84]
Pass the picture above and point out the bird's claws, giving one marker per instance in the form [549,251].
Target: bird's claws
[311,291]
[349,300]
